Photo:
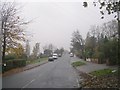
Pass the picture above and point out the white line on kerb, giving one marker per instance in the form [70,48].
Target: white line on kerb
[28,83]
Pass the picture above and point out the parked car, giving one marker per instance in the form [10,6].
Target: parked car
[71,54]
[59,55]
[55,56]
[50,59]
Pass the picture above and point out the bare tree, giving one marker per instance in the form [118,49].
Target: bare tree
[109,29]
[77,43]
[11,26]
[27,48]
[45,47]
[51,47]
[36,50]
[95,31]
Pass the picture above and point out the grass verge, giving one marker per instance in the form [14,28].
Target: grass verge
[37,60]
[77,63]
[104,72]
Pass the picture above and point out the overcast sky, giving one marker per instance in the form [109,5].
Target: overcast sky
[54,22]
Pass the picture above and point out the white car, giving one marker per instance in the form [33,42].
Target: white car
[55,56]
[71,55]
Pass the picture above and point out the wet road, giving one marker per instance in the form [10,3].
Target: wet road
[56,74]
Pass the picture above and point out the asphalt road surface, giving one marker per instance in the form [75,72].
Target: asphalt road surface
[56,74]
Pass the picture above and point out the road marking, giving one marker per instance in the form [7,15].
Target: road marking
[28,83]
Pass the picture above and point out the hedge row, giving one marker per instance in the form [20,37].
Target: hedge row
[13,64]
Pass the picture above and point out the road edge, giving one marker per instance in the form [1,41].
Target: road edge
[22,69]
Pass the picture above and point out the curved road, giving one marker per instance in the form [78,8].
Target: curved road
[56,74]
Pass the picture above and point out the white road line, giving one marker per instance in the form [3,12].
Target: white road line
[28,83]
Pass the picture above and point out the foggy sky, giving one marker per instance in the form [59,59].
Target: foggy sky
[54,22]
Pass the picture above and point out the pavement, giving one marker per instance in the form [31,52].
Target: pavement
[27,67]
[30,66]
[89,67]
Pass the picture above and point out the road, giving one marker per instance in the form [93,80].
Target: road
[56,74]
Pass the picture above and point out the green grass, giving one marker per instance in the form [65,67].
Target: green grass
[37,60]
[103,72]
[77,63]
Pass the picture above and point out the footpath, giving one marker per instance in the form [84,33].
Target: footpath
[27,67]
[89,67]
[89,81]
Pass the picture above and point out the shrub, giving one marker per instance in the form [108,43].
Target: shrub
[77,63]
[43,56]
[9,65]
[23,56]
[13,64]
[10,57]
[19,63]
[103,72]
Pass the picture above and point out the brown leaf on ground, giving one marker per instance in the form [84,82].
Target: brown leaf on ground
[13,71]
[108,81]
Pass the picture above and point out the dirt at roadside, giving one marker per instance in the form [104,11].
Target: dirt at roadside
[107,81]
[13,71]
[17,70]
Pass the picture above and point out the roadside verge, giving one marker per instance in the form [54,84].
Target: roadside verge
[28,67]
[97,75]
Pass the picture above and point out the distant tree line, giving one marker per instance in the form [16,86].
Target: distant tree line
[48,50]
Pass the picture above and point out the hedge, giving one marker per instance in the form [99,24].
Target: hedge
[10,57]
[13,64]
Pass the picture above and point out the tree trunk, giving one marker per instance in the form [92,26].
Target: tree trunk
[0,42]
[4,46]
